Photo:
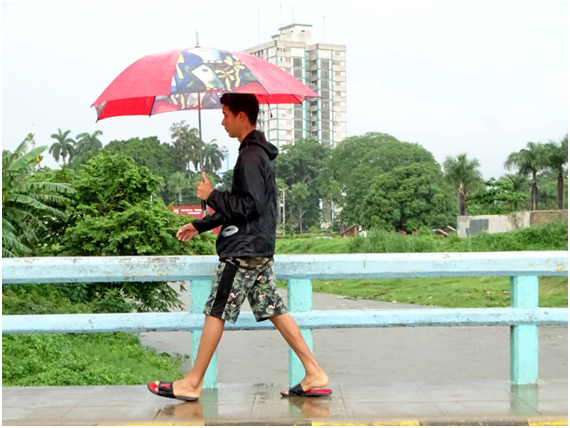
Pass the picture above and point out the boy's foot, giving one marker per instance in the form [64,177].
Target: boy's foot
[311,386]
[179,390]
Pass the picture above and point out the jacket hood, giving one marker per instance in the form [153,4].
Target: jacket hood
[257,138]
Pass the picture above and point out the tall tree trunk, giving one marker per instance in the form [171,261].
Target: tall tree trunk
[534,192]
[180,201]
[560,190]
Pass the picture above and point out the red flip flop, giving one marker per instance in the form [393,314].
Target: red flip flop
[297,391]
[164,389]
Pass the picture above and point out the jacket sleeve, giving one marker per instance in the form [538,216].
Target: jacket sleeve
[252,199]
[209,222]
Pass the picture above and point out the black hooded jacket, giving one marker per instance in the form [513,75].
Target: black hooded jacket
[247,214]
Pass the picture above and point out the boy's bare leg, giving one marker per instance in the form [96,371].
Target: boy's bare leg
[315,377]
[191,385]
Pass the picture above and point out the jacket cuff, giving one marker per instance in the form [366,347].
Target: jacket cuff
[211,199]
[196,224]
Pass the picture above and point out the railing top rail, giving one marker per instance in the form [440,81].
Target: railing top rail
[303,266]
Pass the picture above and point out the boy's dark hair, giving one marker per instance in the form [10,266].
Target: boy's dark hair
[247,103]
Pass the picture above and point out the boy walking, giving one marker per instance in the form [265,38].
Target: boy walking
[245,246]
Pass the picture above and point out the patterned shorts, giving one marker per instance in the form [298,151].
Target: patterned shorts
[233,284]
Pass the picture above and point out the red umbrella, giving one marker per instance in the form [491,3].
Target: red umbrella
[190,79]
[194,79]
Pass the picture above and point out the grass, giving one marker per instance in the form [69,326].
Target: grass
[550,236]
[73,359]
[82,359]
[483,292]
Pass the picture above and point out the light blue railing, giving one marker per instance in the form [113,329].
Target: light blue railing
[524,316]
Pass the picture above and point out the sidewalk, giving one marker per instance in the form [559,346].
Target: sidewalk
[409,403]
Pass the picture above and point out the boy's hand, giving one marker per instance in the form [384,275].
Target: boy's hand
[204,188]
[187,232]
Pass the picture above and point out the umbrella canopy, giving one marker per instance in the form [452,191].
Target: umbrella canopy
[193,79]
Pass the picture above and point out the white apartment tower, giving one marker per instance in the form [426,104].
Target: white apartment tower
[322,67]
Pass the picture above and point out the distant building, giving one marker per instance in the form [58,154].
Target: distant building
[322,67]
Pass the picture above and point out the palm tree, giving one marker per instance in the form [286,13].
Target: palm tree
[176,183]
[464,175]
[212,157]
[556,158]
[64,146]
[86,142]
[26,205]
[529,161]
[520,184]
[187,145]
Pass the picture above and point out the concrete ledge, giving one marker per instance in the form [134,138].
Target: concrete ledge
[449,403]
[556,421]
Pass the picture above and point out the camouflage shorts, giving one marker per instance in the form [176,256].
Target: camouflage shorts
[233,284]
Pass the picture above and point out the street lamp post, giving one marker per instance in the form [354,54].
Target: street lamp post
[224,150]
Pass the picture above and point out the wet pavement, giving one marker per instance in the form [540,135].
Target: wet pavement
[415,403]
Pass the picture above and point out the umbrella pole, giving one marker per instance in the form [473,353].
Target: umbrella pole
[204,207]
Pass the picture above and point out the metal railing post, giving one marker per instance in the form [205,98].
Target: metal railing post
[199,292]
[299,299]
[524,338]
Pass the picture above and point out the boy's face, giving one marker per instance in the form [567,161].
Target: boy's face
[232,122]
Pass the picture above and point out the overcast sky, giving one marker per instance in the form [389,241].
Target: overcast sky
[481,78]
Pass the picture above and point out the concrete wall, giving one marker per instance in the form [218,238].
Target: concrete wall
[472,225]
[538,217]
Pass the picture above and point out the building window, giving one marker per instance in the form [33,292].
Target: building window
[298,124]
[325,95]
[325,63]
[325,105]
[298,114]
[325,114]
[325,73]
[297,62]
[326,136]
[298,73]
[298,135]
[325,84]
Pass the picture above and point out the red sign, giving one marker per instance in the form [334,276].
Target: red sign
[194,211]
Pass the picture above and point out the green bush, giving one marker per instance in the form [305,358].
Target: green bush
[381,241]
[550,236]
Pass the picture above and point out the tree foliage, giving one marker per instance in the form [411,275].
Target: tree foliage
[357,161]
[116,212]
[407,198]
[26,204]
